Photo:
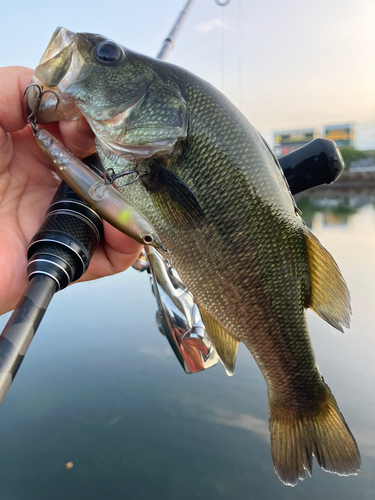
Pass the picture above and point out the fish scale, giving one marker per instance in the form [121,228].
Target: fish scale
[219,202]
[222,185]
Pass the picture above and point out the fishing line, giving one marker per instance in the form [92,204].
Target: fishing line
[240,89]
[222,51]
[222,3]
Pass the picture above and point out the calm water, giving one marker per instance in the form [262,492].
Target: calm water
[101,388]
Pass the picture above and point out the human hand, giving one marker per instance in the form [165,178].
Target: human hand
[27,187]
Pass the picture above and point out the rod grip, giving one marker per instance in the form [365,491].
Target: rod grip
[318,162]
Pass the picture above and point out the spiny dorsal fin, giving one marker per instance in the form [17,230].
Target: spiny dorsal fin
[329,295]
[225,345]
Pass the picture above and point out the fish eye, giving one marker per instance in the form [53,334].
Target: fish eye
[108,53]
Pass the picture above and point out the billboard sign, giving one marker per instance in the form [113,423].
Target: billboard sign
[342,135]
[288,141]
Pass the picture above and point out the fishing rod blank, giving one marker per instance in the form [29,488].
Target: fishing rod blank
[21,327]
[171,38]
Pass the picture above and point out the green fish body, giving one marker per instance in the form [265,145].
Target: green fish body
[219,202]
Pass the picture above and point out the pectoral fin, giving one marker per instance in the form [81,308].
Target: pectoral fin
[329,295]
[225,345]
[172,196]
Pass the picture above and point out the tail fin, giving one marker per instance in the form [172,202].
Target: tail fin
[323,433]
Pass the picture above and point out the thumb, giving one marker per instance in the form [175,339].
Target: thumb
[78,137]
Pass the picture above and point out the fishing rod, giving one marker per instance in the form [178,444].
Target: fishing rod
[60,253]
[170,40]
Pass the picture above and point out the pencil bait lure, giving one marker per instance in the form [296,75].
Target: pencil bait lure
[97,192]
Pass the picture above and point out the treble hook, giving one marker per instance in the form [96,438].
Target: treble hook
[111,176]
[32,116]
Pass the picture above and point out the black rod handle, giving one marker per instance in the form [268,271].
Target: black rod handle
[318,162]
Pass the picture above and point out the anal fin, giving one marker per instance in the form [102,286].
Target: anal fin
[329,295]
[225,345]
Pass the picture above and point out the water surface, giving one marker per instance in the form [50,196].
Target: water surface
[101,388]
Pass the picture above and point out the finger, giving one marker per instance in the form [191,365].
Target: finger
[120,249]
[6,150]
[117,253]
[78,137]
[13,80]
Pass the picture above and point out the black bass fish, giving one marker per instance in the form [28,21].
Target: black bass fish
[215,194]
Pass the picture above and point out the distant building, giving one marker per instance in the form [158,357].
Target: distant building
[360,135]
[342,135]
[287,141]
[363,165]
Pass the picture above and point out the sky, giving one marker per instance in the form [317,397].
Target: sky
[287,64]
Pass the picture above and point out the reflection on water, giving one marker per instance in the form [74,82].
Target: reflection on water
[334,206]
[101,388]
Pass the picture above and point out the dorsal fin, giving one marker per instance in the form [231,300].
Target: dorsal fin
[225,345]
[329,295]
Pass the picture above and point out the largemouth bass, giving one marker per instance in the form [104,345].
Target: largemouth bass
[218,200]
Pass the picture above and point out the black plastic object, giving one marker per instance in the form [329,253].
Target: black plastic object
[318,162]
[69,235]
[58,254]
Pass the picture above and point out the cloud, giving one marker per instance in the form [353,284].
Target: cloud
[208,26]
[221,416]
[158,353]
[243,421]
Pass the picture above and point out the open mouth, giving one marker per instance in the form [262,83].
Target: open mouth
[59,67]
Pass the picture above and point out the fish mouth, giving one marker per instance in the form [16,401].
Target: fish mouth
[60,66]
